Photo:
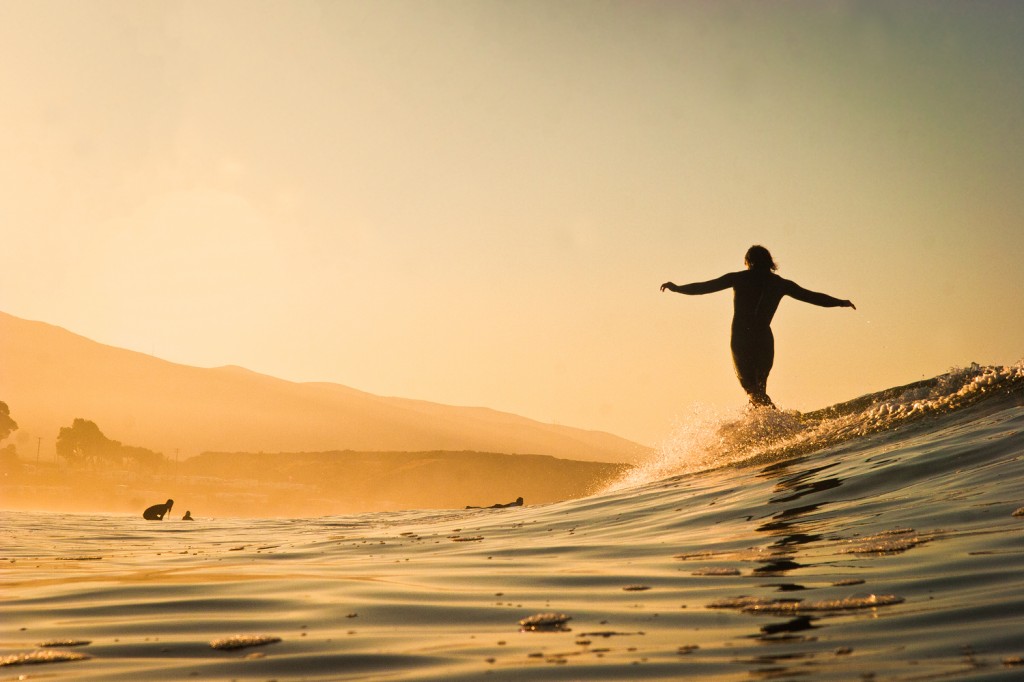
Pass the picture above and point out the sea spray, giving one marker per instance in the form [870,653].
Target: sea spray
[707,438]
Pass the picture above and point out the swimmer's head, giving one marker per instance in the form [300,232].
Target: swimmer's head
[758,258]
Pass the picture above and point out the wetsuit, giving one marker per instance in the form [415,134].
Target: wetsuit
[157,511]
[756,297]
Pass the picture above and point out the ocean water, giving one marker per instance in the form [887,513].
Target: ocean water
[879,539]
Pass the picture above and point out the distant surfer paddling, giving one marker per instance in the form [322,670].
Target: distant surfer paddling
[757,292]
[158,511]
[518,503]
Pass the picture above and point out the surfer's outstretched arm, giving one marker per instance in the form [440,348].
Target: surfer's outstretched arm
[709,287]
[813,297]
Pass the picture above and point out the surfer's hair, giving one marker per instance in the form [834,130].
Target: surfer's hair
[758,258]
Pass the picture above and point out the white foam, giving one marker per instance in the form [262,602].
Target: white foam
[708,439]
[784,606]
[243,641]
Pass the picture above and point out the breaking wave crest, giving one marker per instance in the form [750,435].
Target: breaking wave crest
[710,439]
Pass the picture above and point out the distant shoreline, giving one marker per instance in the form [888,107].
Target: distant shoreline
[307,484]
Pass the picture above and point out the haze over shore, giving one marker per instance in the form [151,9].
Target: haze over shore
[51,376]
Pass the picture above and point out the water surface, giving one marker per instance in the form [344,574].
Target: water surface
[875,540]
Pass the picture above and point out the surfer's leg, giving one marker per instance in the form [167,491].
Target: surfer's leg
[753,356]
[743,358]
[759,395]
[765,358]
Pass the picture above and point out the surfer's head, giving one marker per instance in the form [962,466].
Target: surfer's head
[758,258]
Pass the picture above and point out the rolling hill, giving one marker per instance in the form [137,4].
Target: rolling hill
[49,376]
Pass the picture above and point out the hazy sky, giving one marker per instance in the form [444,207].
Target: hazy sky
[474,203]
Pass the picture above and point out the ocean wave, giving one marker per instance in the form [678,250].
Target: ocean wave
[707,439]
[890,552]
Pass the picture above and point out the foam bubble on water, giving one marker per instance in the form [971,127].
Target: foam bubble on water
[785,606]
[545,622]
[893,541]
[243,641]
[50,643]
[745,602]
[847,604]
[37,657]
[716,572]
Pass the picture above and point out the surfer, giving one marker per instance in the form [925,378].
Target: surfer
[187,516]
[517,503]
[157,511]
[757,292]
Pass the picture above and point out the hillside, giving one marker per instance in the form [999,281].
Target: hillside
[49,376]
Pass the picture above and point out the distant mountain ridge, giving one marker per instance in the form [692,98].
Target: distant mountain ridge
[49,376]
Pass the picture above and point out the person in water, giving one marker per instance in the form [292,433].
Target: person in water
[517,503]
[187,516]
[157,511]
[757,292]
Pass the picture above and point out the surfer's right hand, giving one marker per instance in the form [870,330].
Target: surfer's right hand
[668,285]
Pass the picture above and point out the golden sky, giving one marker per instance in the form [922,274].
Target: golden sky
[475,202]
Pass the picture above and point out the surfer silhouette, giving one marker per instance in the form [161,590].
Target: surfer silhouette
[157,511]
[757,292]
[517,503]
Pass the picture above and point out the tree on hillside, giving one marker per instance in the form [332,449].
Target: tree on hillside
[141,457]
[83,443]
[9,462]
[7,425]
